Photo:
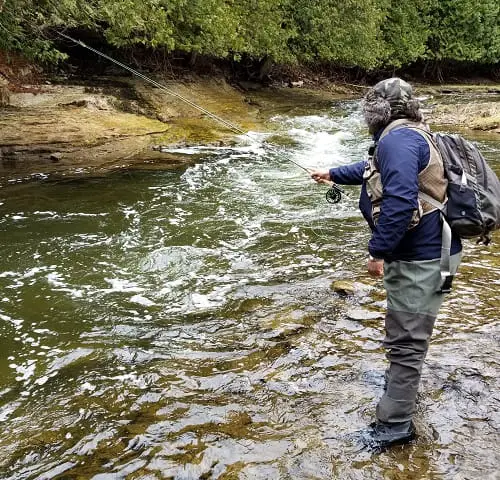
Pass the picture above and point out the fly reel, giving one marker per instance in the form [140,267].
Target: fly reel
[334,194]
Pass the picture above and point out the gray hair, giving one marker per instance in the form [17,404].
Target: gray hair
[390,100]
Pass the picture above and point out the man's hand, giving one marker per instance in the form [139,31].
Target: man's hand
[376,267]
[320,176]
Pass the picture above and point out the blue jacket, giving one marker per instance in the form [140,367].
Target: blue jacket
[401,155]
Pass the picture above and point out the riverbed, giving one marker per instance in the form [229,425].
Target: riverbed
[182,323]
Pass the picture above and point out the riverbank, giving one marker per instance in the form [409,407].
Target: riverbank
[64,128]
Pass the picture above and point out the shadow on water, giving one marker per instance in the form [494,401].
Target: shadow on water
[182,324]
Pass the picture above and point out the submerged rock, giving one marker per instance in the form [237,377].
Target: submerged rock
[351,288]
[363,314]
[343,287]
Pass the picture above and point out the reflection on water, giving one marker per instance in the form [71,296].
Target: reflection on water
[181,324]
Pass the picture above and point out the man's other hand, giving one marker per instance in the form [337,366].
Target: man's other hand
[376,267]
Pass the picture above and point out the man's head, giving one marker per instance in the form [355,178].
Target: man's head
[390,100]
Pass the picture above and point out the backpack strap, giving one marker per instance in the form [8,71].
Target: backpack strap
[444,262]
[427,198]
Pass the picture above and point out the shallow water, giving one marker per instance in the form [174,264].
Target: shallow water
[181,324]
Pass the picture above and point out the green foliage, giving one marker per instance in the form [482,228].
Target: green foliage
[464,30]
[344,32]
[131,22]
[262,29]
[363,33]
[405,31]
[25,25]
[212,27]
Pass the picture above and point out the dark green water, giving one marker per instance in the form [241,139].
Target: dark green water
[181,324]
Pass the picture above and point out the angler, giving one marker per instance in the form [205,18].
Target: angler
[405,247]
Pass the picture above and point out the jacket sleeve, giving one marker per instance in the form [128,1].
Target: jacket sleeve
[401,155]
[351,174]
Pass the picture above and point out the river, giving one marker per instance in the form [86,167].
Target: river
[182,324]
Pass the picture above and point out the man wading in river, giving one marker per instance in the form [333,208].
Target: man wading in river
[405,247]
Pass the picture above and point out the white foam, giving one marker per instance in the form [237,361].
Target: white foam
[146,302]
[122,285]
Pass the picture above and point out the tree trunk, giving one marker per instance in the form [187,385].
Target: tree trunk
[265,67]
[193,56]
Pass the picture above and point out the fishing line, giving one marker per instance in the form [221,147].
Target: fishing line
[333,195]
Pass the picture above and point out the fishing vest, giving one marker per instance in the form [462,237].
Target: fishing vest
[431,179]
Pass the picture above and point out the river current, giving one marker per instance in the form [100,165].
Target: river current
[182,324]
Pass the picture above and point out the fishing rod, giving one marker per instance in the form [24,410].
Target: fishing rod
[334,193]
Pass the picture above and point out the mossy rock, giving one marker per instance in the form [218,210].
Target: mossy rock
[343,287]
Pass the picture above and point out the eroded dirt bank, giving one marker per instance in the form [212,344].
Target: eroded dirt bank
[114,123]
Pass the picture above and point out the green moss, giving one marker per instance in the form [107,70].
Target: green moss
[233,471]
[128,123]
[250,305]
[193,131]
[289,317]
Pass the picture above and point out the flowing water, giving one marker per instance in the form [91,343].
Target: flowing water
[182,324]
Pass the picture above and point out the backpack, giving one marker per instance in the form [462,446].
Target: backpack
[473,206]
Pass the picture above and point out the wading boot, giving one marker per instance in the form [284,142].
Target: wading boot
[381,435]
